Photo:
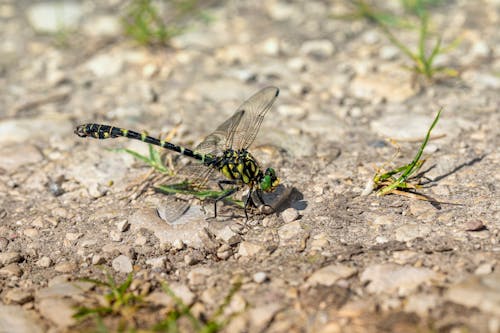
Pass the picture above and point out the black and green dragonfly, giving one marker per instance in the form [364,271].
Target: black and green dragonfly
[224,150]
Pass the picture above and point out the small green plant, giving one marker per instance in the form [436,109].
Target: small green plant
[144,22]
[422,58]
[390,182]
[119,300]
[154,159]
[211,325]
[120,311]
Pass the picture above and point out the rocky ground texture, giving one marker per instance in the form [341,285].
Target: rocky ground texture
[331,259]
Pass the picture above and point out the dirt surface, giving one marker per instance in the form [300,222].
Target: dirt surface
[331,259]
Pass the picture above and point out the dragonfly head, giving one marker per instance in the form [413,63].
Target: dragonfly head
[269,181]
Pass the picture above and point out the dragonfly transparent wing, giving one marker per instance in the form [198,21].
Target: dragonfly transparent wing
[253,111]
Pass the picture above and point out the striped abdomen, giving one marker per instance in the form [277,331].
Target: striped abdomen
[99,131]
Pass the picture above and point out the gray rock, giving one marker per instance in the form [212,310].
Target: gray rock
[260,277]
[224,252]
[261,316]
[65,267]
[179,234]
[115,236]
[157,263]
[17,296]
[321,48]
[9,258]
[64,289]
[421,304]
[329,275]
[59,311]
[11,270]
[13,318]
[122,225]
[290,230]
[388,52]
[390,278]
[73,236]
[388,86]
[181,291]
[55,16]
[199,275]
[482,292]
[98,259]
[31,233]
[485,268]
[122,264]
[289,215]
[411,231]
[105,65]
[227,235]
[319,242]
[409,126]
[248,249]
[4,242]
[44,262]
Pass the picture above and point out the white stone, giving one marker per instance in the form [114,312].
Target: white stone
[260,277]
[122,264]
[248,249]
[390,278]
[329,275]
[290,230]
[55,16]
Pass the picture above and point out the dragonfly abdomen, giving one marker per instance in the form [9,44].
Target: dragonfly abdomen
[98,131]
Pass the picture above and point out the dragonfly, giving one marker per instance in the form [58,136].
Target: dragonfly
[224,151]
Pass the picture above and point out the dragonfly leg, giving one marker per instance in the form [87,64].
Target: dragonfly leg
[226,194]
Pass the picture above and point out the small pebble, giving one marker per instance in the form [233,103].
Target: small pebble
[190,260]
[17,296]
[31,233]
[44,262]
[157,263]
[11,270]
[9,258]
[122,225]
[97,260]
[474,225]
[115,236]
[65,267]
[3,243]
[178,244]
[73,236]
[260,277]
[289,215]
[122,264]
[224,252]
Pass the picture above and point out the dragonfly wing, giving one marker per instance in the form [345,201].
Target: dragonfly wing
[253,111]
[218,141]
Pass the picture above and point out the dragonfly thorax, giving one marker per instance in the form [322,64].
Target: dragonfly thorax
[241,166]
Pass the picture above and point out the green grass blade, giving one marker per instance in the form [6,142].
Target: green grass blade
[154,159]
[415,163]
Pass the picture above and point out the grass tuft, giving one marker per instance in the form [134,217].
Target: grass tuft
[123,311]
[423,58]
[397,179]
[144,20]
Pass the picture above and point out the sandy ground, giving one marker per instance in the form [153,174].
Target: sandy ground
[330,259]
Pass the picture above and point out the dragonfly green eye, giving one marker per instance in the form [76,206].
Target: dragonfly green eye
[269,181]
